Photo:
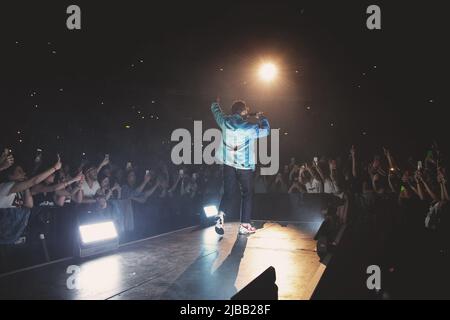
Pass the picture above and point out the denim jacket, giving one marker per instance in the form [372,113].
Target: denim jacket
[238,135]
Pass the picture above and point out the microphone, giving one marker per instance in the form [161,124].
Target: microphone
[254,114]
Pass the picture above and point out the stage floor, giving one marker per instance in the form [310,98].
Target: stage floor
[192,263]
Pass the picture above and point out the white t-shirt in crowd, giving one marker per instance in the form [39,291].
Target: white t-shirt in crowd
[88,191]
[314,186]
[330,187]
[6,199]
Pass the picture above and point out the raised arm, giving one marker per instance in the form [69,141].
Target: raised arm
[6,160]
[60,186]
[144,183]
[175,184]
[293,171]
[217,113]
[319,171]
[294,186]
[147,194]
[27,184]
[109,193]
[391,186]
[150,191]
[429,191]
[390,159]
[353,154]
[375,178]
[103,163]
[419,190]
[444,192]
[300,175]
[443,186]
[77,194]
[312,172]
[261,129]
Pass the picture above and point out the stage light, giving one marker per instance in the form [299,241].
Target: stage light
[97,237]
[97,232]
[268,72]
[210,211]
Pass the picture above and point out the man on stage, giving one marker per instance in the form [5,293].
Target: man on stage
[236,153]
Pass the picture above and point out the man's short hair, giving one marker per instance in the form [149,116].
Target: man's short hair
[238,106]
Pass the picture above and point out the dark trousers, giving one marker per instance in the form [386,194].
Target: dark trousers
[237,181]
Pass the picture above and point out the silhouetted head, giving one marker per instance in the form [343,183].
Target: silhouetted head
[239,107]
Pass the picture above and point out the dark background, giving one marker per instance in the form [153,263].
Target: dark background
[164,59]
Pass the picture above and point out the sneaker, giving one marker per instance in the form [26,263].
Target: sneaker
[21,240]
[247,229]
[219,224]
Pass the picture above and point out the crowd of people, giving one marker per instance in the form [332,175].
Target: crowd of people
[409,184]
[395,211]
[385,193]
[174,191]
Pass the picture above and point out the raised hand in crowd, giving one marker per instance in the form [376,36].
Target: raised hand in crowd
[6,159]
[104,163]
[353,156]
[28,183]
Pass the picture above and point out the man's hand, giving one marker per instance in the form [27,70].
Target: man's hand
[116,187]
[105,160]
[58,163]
[147,177]
[259,115]
[380,171]
[38,158]
[353,151]
[6,160]
[77,178]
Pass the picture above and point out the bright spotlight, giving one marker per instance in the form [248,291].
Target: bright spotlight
[210,211]
[268,72]
[97,232]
